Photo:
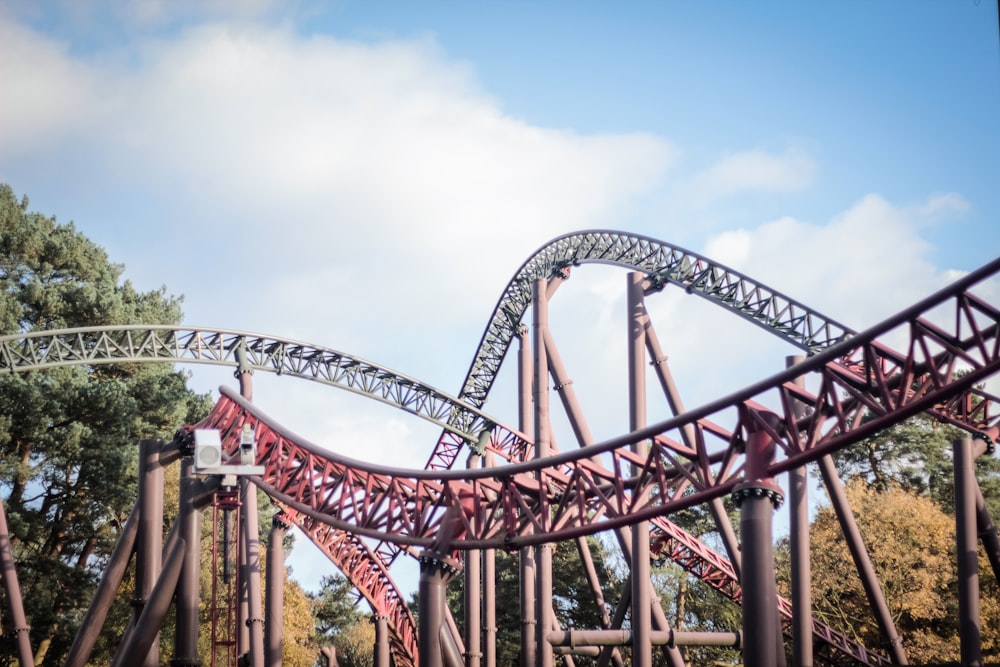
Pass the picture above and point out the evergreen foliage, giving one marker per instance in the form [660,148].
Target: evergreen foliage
[68,436]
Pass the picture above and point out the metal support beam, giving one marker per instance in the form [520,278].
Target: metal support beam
[251,572]
[863,563]
[540,395]
[526,559]
[382,657]
[798,500]
[593,638]
[275,601]
[757,497]
[969,622]
[489,600]
[583,548]
[673,396]
[188,587]
[13,589]
[642,624]
[104,597]
[473,598]
[141,635]
[435,573]
[149,549]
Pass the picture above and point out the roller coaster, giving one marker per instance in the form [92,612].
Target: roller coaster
[519,493]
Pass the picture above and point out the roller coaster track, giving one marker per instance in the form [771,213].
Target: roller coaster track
[568,495]
[461,421]
[664,264]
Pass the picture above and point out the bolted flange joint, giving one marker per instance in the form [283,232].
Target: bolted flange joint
[446,563]
[767,490]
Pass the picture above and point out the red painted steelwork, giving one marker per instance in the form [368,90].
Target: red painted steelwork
[865,360]
[365,571]
[568,494]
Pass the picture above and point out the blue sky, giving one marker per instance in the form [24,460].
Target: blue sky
[368,175]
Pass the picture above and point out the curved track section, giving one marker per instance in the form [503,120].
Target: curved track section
[142,343]
[669,541]
[663,264]
[572,494]
[366,573]
[927,370]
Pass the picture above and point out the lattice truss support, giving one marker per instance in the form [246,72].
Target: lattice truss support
[692,457]
[573,494]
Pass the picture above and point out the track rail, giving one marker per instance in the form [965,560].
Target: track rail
[569,494]
[866,373]
[460,419]
[144,343]
[664,264]
[366,572]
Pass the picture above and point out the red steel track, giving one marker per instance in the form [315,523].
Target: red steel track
[587,490]
[572,494]
[569,494]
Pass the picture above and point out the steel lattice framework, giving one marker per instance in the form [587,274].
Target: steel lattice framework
[139,343]
[570,494]
[664,264]
[589,489]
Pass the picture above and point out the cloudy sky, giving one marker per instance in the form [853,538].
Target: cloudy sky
[367,176]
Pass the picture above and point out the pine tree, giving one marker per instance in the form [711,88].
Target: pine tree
[68,436]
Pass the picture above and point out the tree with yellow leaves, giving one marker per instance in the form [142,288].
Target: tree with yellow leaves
[911,541]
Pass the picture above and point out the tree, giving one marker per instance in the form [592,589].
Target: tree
[338,623]
[690,603]
[915,456]
[299,647]
[68,435]
[911,543]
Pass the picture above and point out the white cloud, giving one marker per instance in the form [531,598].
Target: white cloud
[301,156]
[753,171]
[863,265]
[47,94]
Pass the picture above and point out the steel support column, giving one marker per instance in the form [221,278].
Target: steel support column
[642,645]
[540,396]
[473,598]
[382,656]
[526,559]
[489,600]
[757,497]
[188,588]
[435,573]
[798,500]
[251,573]
[275,601]
[149,548]
[13,589]
[969,623]
[141,635]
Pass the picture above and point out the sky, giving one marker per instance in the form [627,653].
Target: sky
[367,176]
